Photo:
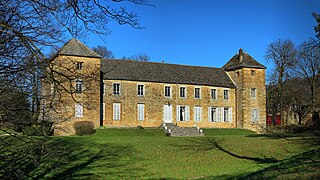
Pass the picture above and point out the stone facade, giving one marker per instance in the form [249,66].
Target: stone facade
[154,100]
[113,97]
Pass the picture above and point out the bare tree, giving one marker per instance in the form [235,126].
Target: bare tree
[281,54]
[103,52]
[138,57]
[308,67]
[28,28]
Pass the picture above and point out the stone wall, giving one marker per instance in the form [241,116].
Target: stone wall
[246,79]
[154,101]
[60,95]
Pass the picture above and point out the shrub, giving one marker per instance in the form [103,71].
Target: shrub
[84,128]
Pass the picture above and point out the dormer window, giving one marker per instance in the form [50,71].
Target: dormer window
[79,65]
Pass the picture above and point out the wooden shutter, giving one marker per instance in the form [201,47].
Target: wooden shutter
[218,114]
[187,113]
[104,111]
[222,114]
[209,113]
[230,114]
[178,113]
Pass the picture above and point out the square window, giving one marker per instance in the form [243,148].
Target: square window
[197,93]
[213,94]
[167,91]
[140,90]
[182,92]
[116,88]
[79,65]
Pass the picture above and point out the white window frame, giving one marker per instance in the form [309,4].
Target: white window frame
[116,111]
[199,92]
[215,97]
[79,85]
[186,114]
[185,91]
[255,116]
[164,90]
[226,96]
[114,92]
[143,90]
[167,113]
[78,110]
[215,115]
[226,114]
[197,112]
[253,92]
[140,111]
[104,111]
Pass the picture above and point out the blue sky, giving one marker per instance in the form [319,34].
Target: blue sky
[210,32]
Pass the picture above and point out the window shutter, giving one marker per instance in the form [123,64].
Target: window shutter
[178,113]
[164,112]
[230,114]
[218,114]
[187,113]
[258,115]
[195,114]
[200,113]
[222,114]
[209,113]
[104,111]
[252,115]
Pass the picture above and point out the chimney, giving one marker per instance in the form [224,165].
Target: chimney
[240,55]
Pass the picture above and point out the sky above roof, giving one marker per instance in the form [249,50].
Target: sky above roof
[210,32]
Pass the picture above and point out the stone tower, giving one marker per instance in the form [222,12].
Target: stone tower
[72,87]
[249,77]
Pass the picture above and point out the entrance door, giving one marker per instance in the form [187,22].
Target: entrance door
[167,114]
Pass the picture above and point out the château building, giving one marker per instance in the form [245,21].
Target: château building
[82,86]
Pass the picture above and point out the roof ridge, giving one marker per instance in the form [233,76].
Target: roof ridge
[161,63]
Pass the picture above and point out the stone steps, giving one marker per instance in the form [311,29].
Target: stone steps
[173,130]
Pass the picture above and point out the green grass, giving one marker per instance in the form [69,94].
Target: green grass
[148,153]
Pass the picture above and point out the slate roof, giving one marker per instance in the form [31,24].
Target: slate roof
[247,62]
[76,48]
[164,73]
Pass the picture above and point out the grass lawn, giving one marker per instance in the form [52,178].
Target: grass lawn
[149,154]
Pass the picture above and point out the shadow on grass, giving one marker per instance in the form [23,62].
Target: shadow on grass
[65,158]
[305,165]
[206,144]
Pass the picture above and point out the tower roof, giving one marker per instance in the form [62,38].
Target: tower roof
[242,60]
[76,48]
